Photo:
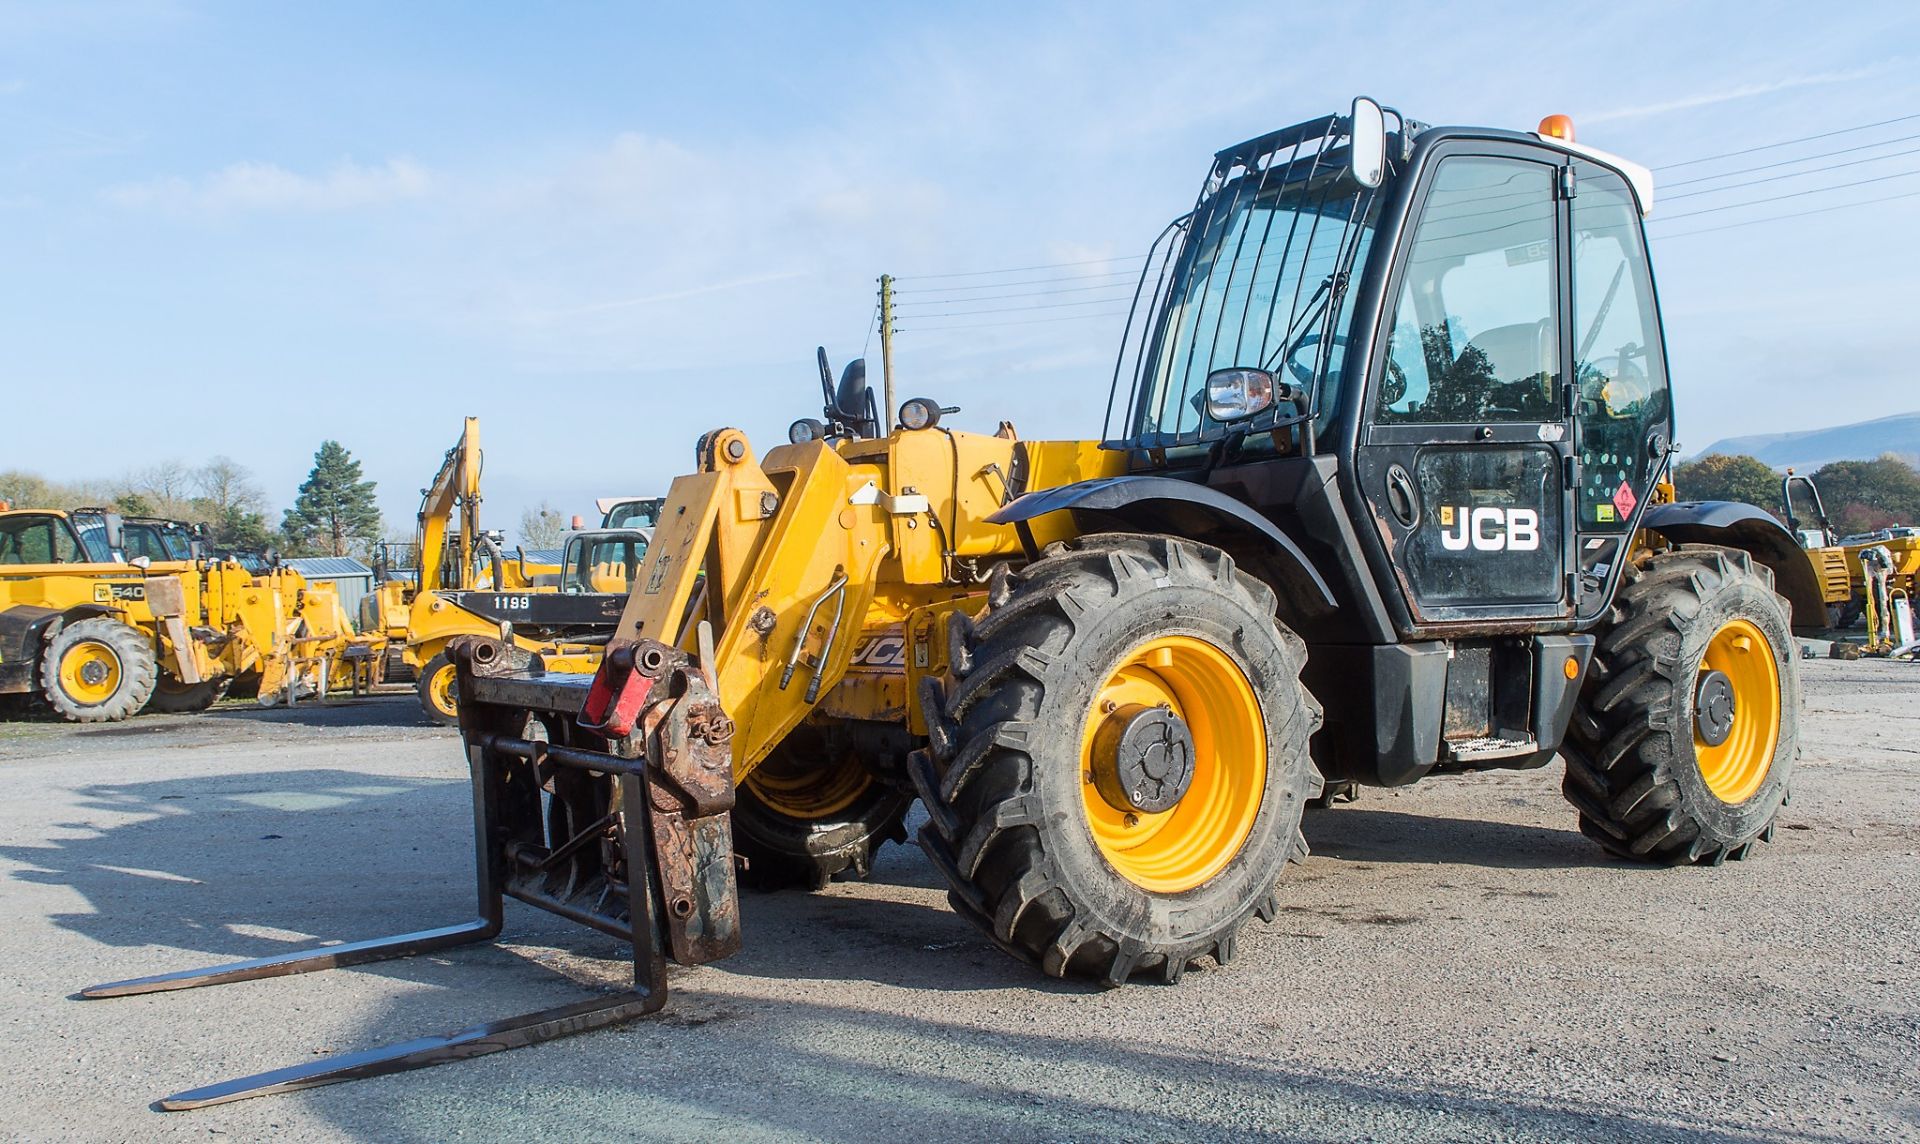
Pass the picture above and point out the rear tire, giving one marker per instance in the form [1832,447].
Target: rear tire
[439,695]
[1642,769]
[1035,850]
[809,813]
[98,670]
[171,697]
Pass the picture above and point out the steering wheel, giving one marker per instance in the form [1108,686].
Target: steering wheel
[1304,370]
[1622,383]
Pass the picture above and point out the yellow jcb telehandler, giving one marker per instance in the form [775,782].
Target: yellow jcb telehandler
[1380,497]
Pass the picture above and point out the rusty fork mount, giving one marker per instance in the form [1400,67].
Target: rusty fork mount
[603,801]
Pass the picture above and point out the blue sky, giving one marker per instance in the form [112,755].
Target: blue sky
[605,229]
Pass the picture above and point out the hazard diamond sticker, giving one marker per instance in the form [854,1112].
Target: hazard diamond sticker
[1624,500]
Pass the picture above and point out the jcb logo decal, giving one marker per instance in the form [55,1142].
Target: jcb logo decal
[888,652]
[108,593]
[1489,529]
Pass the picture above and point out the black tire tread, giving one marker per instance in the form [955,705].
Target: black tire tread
[1620,776]
[981,831]
[137,663]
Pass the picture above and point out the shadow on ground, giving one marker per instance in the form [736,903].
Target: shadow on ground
[1359,834]
[250,865]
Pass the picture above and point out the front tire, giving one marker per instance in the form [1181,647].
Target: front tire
[1060,810]
[439,697]
[1682,746]
[98,670]
[809,813]
[171,697]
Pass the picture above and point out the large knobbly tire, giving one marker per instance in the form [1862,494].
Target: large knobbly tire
[809,813]
[98,671]
[1647,785]
[1012,824]
[171,697]
[439,697]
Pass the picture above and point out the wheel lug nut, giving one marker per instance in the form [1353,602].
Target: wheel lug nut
[1132,819]
[1108,707]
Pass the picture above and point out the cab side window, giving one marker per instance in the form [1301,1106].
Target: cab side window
[1618,364]
[1476,331]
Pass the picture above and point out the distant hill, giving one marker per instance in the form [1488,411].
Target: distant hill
[1811,448]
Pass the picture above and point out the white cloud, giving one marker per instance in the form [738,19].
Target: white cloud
[1729,94]
[250,186]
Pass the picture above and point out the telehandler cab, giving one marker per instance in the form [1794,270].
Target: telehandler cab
[1381,496]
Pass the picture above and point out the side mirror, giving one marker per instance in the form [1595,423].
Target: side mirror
[116,529]
[1367,143]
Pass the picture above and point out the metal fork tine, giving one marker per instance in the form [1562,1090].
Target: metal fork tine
[424,1052]
[303,961]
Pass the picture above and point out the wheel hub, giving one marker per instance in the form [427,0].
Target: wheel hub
[1713,708]
[1143,759]
[93,673]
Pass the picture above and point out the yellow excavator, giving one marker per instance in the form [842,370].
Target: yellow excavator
[463,583]
[1380,498]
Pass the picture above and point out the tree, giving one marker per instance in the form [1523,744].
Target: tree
[1865,495]
[228,485]
[1718,476]
[335,513]
[166,487]
[26,490]
[542,527]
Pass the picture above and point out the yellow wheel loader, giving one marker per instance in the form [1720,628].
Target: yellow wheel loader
[94,636]
[1378,499]
[1836,560]
[101,636]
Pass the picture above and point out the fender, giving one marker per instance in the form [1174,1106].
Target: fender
[1165,506]
[24,632]
[1731,524]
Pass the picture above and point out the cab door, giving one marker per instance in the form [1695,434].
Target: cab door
[1465,443]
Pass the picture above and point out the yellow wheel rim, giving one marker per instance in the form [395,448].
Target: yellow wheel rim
[442,693]
[1180,848]
[808,792]
[1735,768]
[90,672]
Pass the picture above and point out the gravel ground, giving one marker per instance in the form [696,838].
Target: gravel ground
[1454,963]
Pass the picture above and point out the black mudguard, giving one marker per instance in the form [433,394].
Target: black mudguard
[1731,524]
[1169,507]
[24,632]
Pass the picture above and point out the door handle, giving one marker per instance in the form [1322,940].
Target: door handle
[1403,500]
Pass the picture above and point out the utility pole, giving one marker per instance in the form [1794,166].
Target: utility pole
[886,352]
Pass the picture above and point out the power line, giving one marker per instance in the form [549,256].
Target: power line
[1788,162]
[1792,195]
[1023,269]
[1794,174]
[941,291]
[1033,322]
[1790,214]
[1128,286]
[1787,142]
[1019,309]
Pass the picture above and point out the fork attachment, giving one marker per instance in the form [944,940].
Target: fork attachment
[628,834]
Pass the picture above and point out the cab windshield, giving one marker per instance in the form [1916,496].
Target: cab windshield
[602,564]
[634,514]
[1253,278]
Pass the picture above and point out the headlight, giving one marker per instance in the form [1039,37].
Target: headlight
[1233,394]
[804,430]
[920,413]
